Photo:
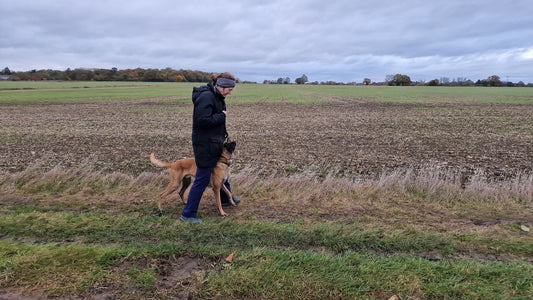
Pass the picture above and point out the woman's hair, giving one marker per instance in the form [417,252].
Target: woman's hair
[227,75]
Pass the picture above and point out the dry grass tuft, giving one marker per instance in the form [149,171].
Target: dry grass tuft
[432,182]
[84,178]
[299,192]
[448,184]
[520,187]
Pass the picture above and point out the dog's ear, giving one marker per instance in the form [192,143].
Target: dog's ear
[230,146]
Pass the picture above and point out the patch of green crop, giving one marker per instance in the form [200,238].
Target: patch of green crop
[52,92]
[425,94]
[90,92]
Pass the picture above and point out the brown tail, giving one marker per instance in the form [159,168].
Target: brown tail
[158,162]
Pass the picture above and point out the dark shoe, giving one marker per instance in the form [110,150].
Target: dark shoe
[190,220]
[236,200]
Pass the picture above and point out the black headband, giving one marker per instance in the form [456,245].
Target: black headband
[225,82]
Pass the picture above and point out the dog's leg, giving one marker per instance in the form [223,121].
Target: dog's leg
[219,203]
[167,191]
[159,207]
[229,194]
[170,188]
[185,182]
[216,189]
[174,184]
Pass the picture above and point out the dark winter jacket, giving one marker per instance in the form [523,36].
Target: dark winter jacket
[208,125]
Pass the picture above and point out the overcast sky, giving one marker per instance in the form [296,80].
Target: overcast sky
[343,41]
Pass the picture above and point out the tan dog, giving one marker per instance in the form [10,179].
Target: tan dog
[182,171]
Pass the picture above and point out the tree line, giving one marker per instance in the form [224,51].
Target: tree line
[300,80]
[171,75]
[493,80]
[113,74]
[405,80]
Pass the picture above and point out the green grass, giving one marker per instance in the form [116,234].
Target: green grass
[46,249]
[271,274]
[102,229]
[56,245]
[68,92]
[345,235]
[272,261]
[267,274]
[89,92]
[38,85]
[424,94]
[274,94]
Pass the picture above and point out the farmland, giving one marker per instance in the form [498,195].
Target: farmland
[279,128]
[348,192]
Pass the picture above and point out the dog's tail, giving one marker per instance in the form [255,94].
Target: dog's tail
[158,162]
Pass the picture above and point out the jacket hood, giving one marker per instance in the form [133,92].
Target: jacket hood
[196,91]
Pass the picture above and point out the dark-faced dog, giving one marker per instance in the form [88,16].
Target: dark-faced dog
[182,172]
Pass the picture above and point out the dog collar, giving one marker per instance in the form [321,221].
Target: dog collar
[226,163]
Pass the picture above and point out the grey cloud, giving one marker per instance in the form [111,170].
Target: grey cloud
[337,40]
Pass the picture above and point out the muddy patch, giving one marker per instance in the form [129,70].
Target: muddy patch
[175,278]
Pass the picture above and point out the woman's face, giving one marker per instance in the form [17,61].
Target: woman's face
[225,91]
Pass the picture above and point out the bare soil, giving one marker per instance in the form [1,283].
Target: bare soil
[348,136]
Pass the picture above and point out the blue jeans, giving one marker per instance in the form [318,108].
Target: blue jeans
[203,177]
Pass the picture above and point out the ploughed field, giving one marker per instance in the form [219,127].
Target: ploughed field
[341,136]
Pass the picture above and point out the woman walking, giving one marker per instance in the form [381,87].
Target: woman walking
[208,135]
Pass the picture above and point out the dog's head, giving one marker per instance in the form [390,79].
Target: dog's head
[230,146]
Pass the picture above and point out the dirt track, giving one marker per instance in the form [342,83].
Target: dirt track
[348,136]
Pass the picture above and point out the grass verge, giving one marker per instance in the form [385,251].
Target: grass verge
[82,232]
